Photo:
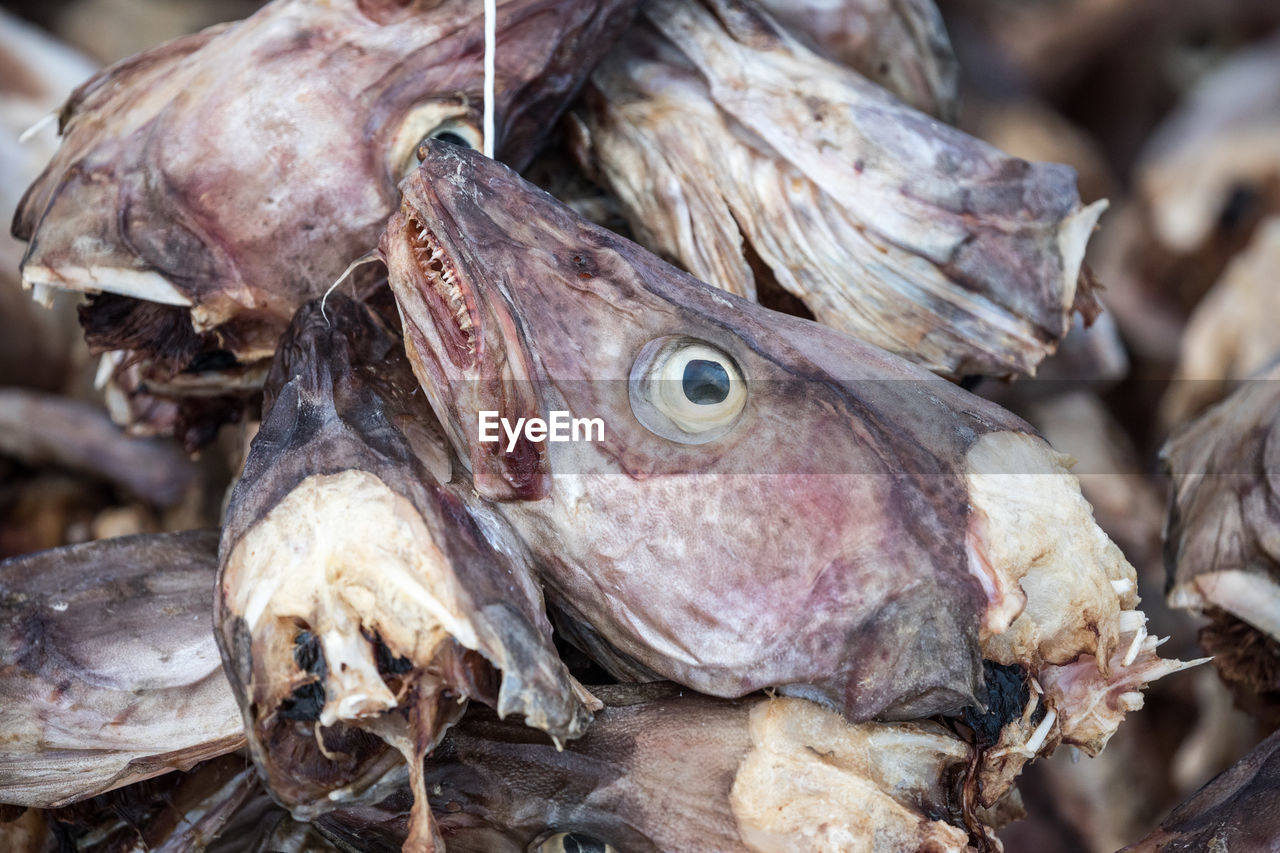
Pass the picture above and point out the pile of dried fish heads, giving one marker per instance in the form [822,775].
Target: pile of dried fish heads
[802,591]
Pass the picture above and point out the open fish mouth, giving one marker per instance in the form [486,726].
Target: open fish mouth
[445,289]
[362,601]
[466,351]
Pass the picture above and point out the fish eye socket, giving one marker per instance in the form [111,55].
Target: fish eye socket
[449,120]
[686,390]
[572,842]
[452,137]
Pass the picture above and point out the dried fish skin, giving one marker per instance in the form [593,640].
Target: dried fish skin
[900,46]
[662,769]
[359,600]
[885,223]
[185,182]
[882,563]
[110,673]
[1220,536]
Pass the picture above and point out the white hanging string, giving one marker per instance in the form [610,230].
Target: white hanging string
[490,41]
[368,257]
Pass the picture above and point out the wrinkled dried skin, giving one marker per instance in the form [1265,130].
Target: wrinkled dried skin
[1221,539]
[660,770]
[1237,811]
[38,75]
[360,601]
[208,208]
[109,673]
[41,429]
[1231,335]
[728,143]
[901,529]
[1222,142]
[901,46]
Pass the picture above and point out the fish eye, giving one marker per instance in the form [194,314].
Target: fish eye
[449,120]
[686,390]
[572,842]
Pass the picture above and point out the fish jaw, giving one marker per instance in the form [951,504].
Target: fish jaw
[183,179]
[464,344]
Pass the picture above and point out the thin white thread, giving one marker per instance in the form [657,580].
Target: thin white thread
[363,259]
[490,46]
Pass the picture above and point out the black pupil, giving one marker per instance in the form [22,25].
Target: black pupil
[705,382]
[575,842]
[452,138]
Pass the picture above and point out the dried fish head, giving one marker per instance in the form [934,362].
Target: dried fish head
[823,518]
[207,208]
[752,161]
[361,603]
[109,673]
[1216,159]
[1231,334]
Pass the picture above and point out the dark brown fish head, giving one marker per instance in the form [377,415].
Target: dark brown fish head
[235,173]
[362,601]
[771,504]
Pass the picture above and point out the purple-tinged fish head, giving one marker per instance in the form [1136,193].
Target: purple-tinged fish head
[770,503]
[235,171]
[512,304]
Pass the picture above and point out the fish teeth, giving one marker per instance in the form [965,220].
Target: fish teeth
[432,259]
